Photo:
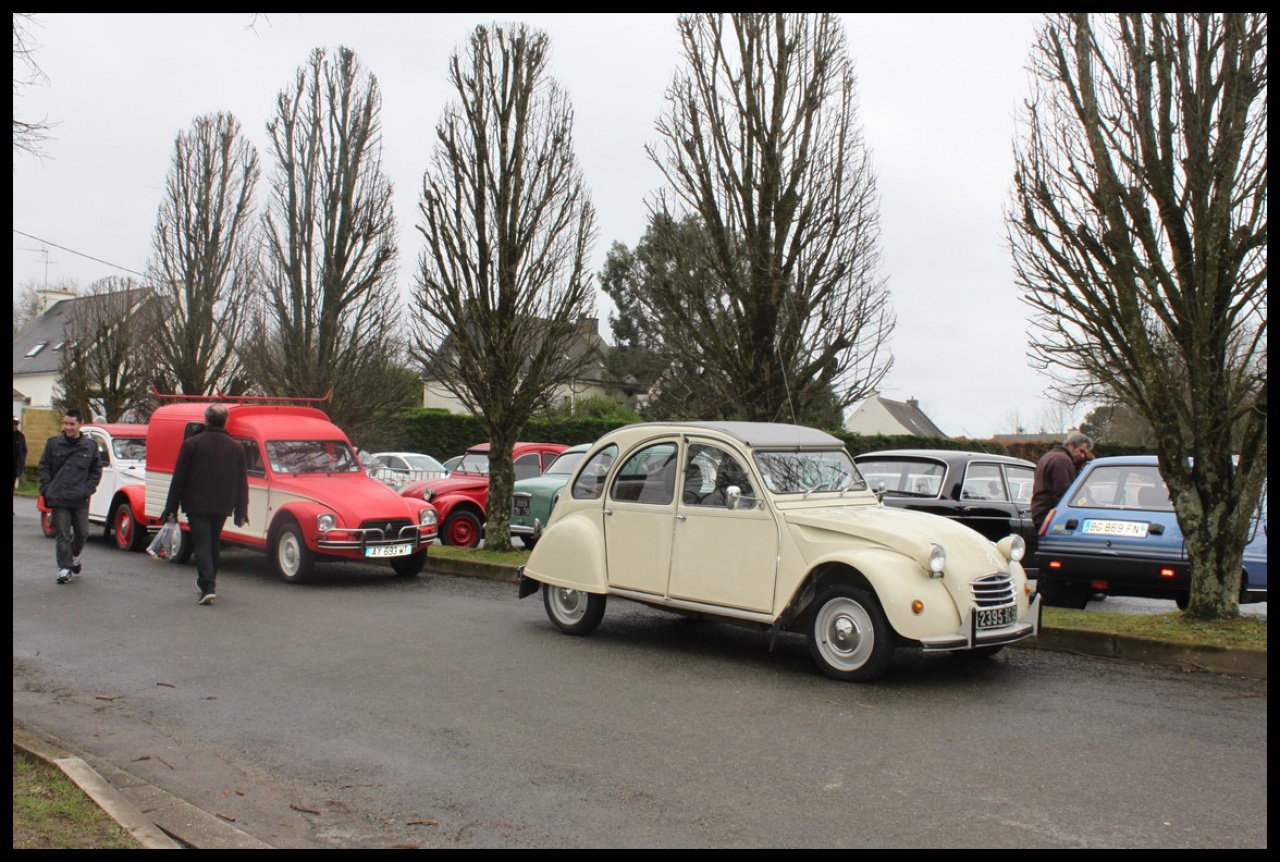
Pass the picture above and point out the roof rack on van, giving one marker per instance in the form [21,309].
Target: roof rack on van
[219,395]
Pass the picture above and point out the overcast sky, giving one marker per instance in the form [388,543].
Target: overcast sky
[939,98]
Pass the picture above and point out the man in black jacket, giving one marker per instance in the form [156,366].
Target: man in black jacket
[70,469]
[19,453]
[210,482]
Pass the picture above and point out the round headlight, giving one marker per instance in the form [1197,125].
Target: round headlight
[1013,547]
[426,515]
[937,560]
[326,522]
[429,494]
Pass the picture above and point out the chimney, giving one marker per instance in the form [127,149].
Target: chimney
[47,298]
[913,403]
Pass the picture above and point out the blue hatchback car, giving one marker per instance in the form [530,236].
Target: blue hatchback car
[1115,532]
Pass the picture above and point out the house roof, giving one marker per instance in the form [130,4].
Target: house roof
[49,330]
[907,414]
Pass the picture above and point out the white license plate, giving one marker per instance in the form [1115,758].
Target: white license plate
[389,550]
[994,618]
[1134,529]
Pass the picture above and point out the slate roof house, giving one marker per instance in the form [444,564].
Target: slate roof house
[878,415]
[37,349]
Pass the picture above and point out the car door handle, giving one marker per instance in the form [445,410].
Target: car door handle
[682,517]
[608,511]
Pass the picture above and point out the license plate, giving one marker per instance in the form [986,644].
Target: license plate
[389,550]
[1134,529]
[994,618]
[522,505]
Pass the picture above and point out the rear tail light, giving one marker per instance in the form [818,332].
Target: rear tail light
[1166,573]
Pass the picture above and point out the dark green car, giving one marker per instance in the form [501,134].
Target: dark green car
[533,498]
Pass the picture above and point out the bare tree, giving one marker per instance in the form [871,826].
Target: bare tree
[503,287]
[1140,240]
[108,357]
[760,141]
[329,318]
[28,135]
[205,260]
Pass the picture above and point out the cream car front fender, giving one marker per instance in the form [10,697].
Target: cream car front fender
[899,582]
[571,554]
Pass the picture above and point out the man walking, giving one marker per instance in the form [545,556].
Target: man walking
[70,470]
[1055,471]
[210,482]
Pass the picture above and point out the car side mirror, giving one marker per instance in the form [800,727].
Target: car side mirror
[733,496]
[879,491]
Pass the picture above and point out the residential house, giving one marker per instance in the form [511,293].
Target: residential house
[879,415]
[591,382]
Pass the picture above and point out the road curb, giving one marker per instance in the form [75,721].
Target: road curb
[1239,662]
[156,818]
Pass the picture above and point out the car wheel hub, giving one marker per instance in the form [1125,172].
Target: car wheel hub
[846,634]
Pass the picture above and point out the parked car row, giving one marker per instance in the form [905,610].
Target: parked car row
[767,525]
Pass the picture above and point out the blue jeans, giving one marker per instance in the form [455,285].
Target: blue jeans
[70,529]
[206,536]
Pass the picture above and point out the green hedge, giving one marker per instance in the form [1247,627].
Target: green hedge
[443,434]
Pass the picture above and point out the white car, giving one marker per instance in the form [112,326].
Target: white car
[771,525]
[397,469]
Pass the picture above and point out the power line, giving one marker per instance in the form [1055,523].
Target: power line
[81,254]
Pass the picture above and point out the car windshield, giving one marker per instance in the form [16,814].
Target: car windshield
[807,470]
[1124,487]
[473,462]
[423,462]
[129,448]
[311,456]
[565,464]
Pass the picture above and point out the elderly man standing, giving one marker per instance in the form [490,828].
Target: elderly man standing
[210,482]
[1055,471]
[70,470]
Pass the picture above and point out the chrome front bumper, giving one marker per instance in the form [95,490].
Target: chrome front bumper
[971,637]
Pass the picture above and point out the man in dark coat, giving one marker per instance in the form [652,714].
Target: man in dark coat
[210,481]
[70,469]
[1055,471]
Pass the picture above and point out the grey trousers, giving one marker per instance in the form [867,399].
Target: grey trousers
[70,529]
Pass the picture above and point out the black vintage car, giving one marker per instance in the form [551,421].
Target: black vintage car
[990,493]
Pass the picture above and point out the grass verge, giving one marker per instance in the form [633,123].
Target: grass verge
[51,813]
[1241,633]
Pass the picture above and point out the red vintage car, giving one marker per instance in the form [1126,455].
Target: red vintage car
[461,499]
[117,505]
[309,497]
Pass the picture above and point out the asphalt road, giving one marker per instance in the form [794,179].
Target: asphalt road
[371,711]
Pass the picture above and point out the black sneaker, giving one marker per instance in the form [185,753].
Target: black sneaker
[207,598]
[75,565]
[64,576]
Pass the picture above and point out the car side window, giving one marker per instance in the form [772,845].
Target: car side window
[648,476]
[253,457]
[1021,480]
[709,473]
[983,482]
[528,466]
[590,482]
[104,454]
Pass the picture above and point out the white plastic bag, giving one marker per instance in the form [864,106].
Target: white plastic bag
[165,545]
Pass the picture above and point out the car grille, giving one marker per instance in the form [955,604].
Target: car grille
[992,591]
[390,527]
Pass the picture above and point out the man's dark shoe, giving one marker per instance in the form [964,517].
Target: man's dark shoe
[75,565]
[64,576]
[207,598]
